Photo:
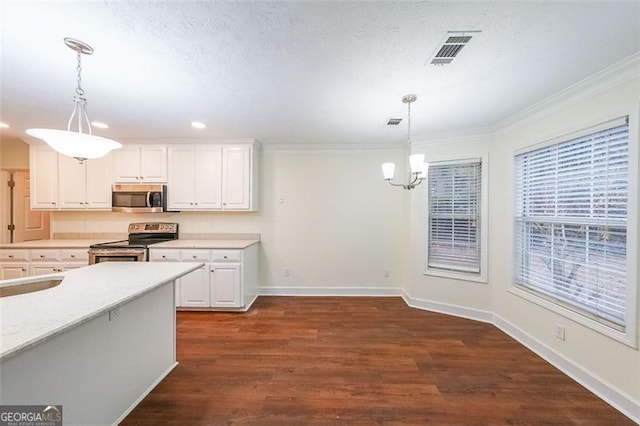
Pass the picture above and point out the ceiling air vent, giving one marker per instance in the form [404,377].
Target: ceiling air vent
[394,121]
[451,46]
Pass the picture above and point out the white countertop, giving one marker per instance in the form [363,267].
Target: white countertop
[53,244]
[205,244]
[85,293]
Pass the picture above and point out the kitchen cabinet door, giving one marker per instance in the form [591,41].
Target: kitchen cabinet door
[225,285]
[181,176]
[43,268]
[72,185]
[43,165]
[141,163]
[194,289]
[208,178]
[153,163]
[12,270]
[236,178]
[99,178]
[127,163]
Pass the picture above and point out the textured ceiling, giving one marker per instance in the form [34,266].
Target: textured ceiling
[299,72]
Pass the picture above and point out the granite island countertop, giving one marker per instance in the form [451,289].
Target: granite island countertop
[85,293]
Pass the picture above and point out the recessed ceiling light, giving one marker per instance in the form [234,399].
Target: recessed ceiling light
[99,125]
[4,125]
[198,124]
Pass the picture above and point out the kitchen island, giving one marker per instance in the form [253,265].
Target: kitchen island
[95,344]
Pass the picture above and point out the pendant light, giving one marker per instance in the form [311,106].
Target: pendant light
[78,143]
[416,161]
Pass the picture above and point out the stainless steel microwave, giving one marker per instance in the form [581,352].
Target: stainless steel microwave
[138,198]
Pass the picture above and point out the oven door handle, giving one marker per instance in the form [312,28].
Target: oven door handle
[149,199]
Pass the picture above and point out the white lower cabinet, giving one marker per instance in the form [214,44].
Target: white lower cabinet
[228,279]
[12,270]
[21,263]
[224,285]
[194,289]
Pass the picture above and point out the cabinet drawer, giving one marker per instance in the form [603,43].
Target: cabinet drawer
[195,255]
[226,256]
[9,255]
[75,255]
[164,255]
[38,255]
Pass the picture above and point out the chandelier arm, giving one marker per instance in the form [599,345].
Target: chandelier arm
[396,184]
[73,114]
[83,114]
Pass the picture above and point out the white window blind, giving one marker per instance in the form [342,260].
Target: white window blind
[571,223]
[454,197]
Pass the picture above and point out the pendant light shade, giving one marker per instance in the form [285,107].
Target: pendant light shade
[81,146]
[80,143]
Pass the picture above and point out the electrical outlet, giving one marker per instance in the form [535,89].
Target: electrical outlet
[560,331]
[287,273]
[114,313]
[387,274]
[281,199]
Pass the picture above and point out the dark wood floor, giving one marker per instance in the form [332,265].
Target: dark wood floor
[358,361]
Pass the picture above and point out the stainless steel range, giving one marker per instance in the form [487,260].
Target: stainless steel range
[135,248]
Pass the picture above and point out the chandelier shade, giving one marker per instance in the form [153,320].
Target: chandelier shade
[418,168]
[78,144]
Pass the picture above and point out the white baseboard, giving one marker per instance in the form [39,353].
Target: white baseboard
[605,391]
[144,394]
[330,291]
[445,308]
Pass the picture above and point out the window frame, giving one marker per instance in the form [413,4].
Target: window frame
[482,277]
[629,335]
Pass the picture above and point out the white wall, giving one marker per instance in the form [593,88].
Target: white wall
[607,366]
[341,226]
[615,363]
[14,154]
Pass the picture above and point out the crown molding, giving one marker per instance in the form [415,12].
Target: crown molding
[328,148]
[614,75]
[621,72]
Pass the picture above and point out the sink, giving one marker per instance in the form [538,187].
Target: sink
[30,286]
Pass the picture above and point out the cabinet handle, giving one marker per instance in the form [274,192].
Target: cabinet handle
[164,257]
[53,202]
[213,270]
[225,257]
[194,257]
[73,255]
[42,256]
[23,270]
[10,256]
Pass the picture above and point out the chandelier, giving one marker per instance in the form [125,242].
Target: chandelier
[416,161]
[78,142]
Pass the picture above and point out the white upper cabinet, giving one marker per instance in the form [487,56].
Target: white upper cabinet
[43,166]
[59,182]
[236,178]
[86,185]
[212,177]
[141,163]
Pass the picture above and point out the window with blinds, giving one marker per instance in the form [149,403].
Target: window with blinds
[571,223]
[454,208]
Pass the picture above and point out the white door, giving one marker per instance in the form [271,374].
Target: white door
[208,177]
[194,289]
[12,270]
[127,164]
[28,224]
[43,165]
[225,285]
[181,178]
[72,183]
[153,163]
[99,180]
